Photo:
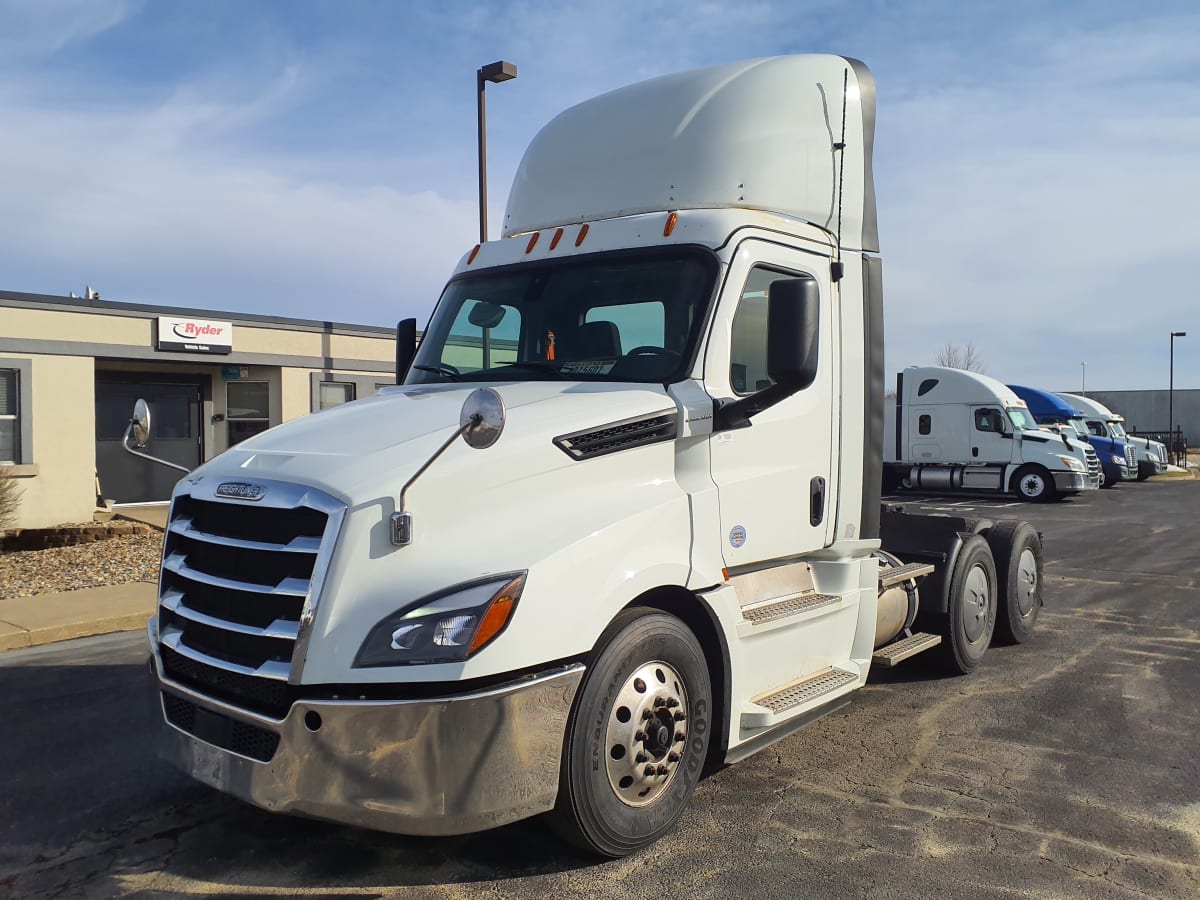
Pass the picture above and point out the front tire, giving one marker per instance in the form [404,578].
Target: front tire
[1017,550]
[638,736]
[1034,483]
[971,618]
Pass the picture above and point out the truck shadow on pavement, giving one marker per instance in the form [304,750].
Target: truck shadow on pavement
[86,806]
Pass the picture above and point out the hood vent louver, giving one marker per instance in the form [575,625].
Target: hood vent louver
[623,435]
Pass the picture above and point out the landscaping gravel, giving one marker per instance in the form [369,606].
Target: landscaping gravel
[117,560]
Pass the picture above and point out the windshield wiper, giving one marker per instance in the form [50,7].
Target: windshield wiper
[452,374]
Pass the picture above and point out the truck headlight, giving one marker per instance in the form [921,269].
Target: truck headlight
[447,627]
[1151,456]
[1073,464]
[1119,460]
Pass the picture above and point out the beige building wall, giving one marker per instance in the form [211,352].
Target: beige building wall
[58,483]
[63,443]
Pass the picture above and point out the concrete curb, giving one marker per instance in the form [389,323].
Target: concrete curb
[49,618]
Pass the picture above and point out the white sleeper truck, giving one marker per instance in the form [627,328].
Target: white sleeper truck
[621,520]
[1143,457]
[955,430]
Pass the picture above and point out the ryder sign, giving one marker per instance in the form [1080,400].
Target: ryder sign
[194,335]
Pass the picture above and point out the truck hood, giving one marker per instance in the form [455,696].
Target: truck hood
[360,450]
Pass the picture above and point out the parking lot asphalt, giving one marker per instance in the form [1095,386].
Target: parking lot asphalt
[1065,767]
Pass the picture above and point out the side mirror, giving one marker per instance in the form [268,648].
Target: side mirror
[141,423]
[793,326]
[406,347]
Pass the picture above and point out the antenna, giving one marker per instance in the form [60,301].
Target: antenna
[836,269]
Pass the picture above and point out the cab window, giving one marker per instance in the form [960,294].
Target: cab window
[991,420]
[748,353]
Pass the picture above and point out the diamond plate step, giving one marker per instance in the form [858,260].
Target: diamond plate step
[901,650]
[762,613]
[888,577]
[775,705]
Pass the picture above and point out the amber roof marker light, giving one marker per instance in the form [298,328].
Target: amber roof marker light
[672,219]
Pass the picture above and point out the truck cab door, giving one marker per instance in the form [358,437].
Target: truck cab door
[991,433]
[775,480]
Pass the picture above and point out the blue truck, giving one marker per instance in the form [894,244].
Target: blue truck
[1116,457]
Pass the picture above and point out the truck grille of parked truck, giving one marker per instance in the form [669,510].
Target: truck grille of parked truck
[237,583]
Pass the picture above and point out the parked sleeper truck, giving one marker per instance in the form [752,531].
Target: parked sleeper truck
[1051,410]
[955,430]
[1142,456]
[620,522]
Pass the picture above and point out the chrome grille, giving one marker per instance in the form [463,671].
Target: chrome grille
[239,585]
[1130,459]
[1093,465]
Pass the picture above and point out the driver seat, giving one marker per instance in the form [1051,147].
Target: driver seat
[592,340]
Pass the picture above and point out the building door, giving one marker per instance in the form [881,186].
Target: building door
[175,433]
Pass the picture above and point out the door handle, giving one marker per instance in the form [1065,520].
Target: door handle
[816,497]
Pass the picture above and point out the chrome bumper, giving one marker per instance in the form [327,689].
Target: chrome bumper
[1071,482]
[443,766]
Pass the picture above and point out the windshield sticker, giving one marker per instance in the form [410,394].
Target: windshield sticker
[588,367]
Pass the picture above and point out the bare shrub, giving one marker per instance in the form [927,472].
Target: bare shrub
[10,499]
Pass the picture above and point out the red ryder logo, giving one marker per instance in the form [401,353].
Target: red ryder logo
[197,329]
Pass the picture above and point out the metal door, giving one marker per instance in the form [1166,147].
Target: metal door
[175,435]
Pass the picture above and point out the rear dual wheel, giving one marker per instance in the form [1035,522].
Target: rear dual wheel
[638,736]
[1017,550]
[970,619]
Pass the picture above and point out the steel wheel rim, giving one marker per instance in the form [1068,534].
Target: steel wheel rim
[1027,581]
[1033,485]
[646,734]
[976,603]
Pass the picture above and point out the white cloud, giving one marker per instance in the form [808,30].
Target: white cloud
[33,28]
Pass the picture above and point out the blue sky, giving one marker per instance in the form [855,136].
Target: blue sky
[1037,164]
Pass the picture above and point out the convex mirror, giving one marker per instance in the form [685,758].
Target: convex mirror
[141,422]
[487,407]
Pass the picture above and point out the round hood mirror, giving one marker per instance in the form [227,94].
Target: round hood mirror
[141,423]
[484,408]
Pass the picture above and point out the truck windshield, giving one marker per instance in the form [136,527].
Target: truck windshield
[1022,419]
[628,316]
[1079,426]
[1117,430]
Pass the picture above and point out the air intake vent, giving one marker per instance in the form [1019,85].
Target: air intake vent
[618,436]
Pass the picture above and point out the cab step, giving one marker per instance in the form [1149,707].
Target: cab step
[902,649]
[775,706]
[889,577]
[756,617]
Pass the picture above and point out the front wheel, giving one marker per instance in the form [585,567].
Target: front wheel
[1034,483]
[638,736]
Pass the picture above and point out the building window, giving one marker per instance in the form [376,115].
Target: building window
[10,423]
[248,409]
[335,393]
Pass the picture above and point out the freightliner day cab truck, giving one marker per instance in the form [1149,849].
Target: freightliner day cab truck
[1143,457]
[956,430]
[620,522]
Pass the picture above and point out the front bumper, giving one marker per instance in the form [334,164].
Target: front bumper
[1146,468]
[1070,482]
[448,765]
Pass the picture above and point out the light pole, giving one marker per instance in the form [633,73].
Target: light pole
[1171,397]
[1083,385]
[495,72]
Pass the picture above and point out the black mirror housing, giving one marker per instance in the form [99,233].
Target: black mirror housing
[406,347]
[793,327]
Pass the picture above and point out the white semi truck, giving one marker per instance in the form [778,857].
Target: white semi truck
[955,430]
[1143,457]
[644,540]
